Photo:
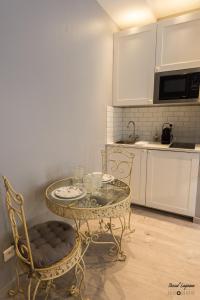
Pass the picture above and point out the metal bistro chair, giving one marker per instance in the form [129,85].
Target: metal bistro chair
[44,252]
[118,162]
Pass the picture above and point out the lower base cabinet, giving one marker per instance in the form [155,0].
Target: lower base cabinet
[166,180]
[172,181]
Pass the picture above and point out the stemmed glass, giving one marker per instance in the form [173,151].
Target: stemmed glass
[78,176]
[92,182]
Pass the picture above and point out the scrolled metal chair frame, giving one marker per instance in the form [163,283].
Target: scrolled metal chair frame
[15,206]
[107,159]
[128,159]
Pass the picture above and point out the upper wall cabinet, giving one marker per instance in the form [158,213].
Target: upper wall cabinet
[178,43]
[134,64]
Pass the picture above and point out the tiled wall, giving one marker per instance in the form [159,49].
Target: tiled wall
[149,121]
[114,124]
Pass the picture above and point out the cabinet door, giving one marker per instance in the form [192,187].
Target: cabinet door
[172,181]
[178,43]
[134,64]
[138,176]
[138,179]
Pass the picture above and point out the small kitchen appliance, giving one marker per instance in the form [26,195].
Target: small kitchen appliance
[183,145]
[177,86]
[167,135]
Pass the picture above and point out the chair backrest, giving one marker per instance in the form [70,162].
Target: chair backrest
[118,162]
[15,202]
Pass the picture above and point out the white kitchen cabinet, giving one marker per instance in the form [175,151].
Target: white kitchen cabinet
[178,43]
[134,65]
[138,178]
[172,181]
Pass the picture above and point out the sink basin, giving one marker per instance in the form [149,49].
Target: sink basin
[141,143]
[125,142]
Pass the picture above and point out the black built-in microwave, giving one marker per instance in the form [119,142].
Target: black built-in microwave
[177,86]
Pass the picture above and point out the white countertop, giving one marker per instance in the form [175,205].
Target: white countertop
[156,146]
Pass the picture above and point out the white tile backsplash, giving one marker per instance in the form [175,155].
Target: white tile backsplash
[149,121]
[114,124]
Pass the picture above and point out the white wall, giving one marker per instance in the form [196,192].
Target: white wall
[55,83]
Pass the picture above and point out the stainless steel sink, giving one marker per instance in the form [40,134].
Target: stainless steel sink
[135,142]
[125,142]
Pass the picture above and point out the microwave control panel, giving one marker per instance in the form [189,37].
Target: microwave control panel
[194,85]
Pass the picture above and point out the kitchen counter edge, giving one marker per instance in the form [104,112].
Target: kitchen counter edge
[156,146]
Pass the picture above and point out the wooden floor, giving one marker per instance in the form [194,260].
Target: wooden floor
[163,250]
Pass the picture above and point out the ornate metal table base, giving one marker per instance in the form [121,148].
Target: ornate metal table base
[110,202]
[108,227]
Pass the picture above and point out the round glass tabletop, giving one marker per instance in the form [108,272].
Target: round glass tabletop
[106,201]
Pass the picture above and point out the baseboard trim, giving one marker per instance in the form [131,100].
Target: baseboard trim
[196,220]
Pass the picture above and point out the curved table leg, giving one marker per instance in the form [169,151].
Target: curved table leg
[116,249]
[92,237]
[121,256]
[131,230]
[101,222]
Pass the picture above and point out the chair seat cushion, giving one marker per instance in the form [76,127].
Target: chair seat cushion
[50,242]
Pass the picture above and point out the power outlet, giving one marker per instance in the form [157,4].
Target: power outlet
[9,253]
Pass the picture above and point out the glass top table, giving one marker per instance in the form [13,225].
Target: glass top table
[112,200]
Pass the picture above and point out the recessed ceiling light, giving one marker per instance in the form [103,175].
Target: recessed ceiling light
[135,17]
[170,7]
[127,13]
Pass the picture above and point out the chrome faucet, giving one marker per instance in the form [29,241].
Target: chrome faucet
[132,136]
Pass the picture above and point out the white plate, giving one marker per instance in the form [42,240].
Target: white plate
[68,192]
[107,178]
[64,200]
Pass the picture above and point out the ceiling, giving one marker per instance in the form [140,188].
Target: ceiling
[127,13]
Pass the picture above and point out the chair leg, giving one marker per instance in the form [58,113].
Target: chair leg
[29,289]
[17,290]
[76,289]
[49,285]
[81,271]
[36,289]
